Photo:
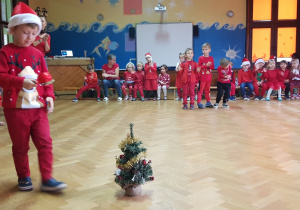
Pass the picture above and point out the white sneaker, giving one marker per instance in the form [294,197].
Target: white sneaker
[119,98]
[105,99]
[158,98]
[125,98]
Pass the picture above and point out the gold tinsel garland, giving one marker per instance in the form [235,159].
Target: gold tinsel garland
[129,164]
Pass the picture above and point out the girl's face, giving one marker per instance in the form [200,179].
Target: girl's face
[163,70]
[295,64]
[44,22]
[271,65]
[189,54]
[181,58]
[91,71]
[130,68]
[246,67]
[139,67]
[283,66]
[148,59]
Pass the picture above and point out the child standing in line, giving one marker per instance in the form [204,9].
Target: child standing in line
[150,78]
[188,70]
[24,99]
[271,76]
[233,86]
[295,78]
[139,78]
[163,81]
[206,64]
[223,84]
[246,78]
[258,73]
[178,77]
[284,78]
[129,81]
[91,79]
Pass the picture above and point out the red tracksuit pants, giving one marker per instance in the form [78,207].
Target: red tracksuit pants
[23,124]
[188,88]
[264,87]
[140,88]
[129,86]
[89,86]
[204,86]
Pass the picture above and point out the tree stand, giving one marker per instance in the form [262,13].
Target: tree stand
[133,191]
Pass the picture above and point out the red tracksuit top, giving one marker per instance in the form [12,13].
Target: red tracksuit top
[91,79]
[139,77]
[222,73]
[246,76]
[283,75]
[188,71]
[205,74]
[128,76]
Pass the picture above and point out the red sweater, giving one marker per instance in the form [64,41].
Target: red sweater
[258,74]
[91,79]
[271,75]
[111,70]
[205,71]
[150,72]
[222,73]
[188,71]
[283,75]
[128,77]
[246,76]
[139,77]
[13,59]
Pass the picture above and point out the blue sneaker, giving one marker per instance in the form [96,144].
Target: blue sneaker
[230,98]
[280,99]
[184,107]
[52,185]
[209,105]
[267,99]
[25,184]
[191,107]
[200,106]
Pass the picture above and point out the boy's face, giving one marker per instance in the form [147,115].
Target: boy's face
[206,51]
[24,35]
[139,67]
[189,54]
[246,67]
[283,66]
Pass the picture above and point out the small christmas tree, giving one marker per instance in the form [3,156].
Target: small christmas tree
[132,166]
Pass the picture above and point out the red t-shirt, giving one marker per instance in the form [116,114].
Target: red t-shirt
[222,73]
[246,76]
[111,70]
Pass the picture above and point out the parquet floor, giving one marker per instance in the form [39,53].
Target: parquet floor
[244,157]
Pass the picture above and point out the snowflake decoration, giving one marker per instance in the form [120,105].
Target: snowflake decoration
[231,53]
[172,4]
[113,2]
[188,3]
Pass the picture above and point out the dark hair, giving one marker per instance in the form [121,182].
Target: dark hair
[90,66]
[111,56]
[165,67]
[284,61]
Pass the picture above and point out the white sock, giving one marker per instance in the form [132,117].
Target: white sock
[269,92]
[279,93]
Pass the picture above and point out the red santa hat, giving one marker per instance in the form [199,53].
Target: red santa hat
[246,62]
[23,14]
[272,58]
[148,55]
[259,60]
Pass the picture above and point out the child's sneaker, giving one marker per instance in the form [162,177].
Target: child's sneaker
[147,99]
[158,98]
[230,98]
[279,99]
[119,99]
[125,98]
[154,99]
[165,98]
[184,107]
[142,99]
[216,105]
[209,105]
[246,98]
[256,98]
[292,97]
[233,98]
[52,185]
[191,107]
[130,98]
[267,98]
[287,98]
[298,97]
[225,105]
[75,100]
[261,98]
[200,106]
[133,99]
[98,99]
[25,184]
[105,99]
[2,123]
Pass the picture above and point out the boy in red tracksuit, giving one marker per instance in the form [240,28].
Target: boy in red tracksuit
[188,70]
[91,79]
[24,99]
[129,81]
[284,78]
[139,79]
[206,64]
[246,79]
[258,73]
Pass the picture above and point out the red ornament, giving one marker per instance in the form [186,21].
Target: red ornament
[45,78]
[120,167]
[119,177]
[144,162]
[149,161]
[151,177]
[122,156]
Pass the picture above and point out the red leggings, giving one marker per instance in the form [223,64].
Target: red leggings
[188,89]
[23,124]
[263,89]
[204,86]
[140,88]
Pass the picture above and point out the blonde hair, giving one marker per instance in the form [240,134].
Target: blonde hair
[268,64]
[224,62]
[206,45]
[140,64]
[187,49]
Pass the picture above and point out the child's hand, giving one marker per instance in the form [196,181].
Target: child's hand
[50,104]
[208,64]
[198,69]
[29,84]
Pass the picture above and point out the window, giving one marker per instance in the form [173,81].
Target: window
[273,28]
